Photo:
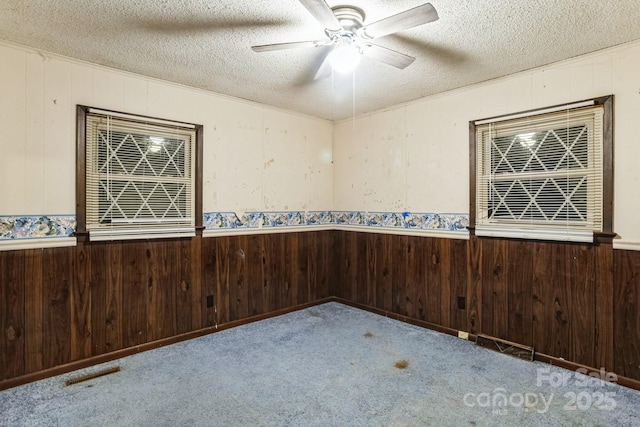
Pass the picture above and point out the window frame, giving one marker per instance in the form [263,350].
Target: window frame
[604,236]
[81,178]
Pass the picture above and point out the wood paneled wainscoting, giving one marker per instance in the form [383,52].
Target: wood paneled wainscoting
[571,301]
[63,306]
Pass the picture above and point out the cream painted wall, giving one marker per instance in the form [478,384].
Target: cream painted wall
[255,157]
[415,157]
[412,157]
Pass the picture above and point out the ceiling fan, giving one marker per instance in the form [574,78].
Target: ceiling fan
[351,39]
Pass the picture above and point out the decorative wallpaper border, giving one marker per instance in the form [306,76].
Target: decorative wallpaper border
[36,227]
[389,220]
[249,220]
[52,226]
[404,220]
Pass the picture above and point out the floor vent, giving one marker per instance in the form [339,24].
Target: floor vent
[88,377]
[505,347]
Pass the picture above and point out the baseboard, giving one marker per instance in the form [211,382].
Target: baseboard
[96,360]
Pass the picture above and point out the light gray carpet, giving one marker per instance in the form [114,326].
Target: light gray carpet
[329,365]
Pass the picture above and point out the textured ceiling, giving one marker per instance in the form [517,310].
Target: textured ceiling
[206,44]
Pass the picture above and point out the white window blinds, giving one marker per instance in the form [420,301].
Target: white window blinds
[540,176]
[140,177]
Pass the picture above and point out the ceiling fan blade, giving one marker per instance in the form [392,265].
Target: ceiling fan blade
[408,19]
[441,53]
[388,56]
[323,14]
[284,46]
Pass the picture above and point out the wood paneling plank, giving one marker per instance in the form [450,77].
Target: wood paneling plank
[296,266]
[209,281]
[255,284]
[416,277]
[474,287]
[223,282]
[399,253]
[372,269]
[519,292]
[266,256]
[98,278]
[33,300]
[281,252]
[433,284]
[626,341]
[12,322]
[604,307]
[168,287]
[315,264]
[542,308]
[458,260]
[114,312]
[135,280]
[351,265]
[326,275]
[384,277]
[238,294]
[301,268]
[80,303]
[274,274]
[358,277]
[195,283]
[184,289]
[162,271]
[336,285]
[491,273]
[558,297]
[57,275]
[498,268]
[152,262]
[443,254]
[581,278]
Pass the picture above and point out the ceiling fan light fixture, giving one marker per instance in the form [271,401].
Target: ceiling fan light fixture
[345,56]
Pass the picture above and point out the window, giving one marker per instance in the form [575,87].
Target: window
[544,174]
[139,176]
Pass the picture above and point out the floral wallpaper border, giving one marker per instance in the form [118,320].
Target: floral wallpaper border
[36,226]
[249,220]
[51,226]
[392,220]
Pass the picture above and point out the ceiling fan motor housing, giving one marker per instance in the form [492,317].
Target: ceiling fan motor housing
[351,18]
